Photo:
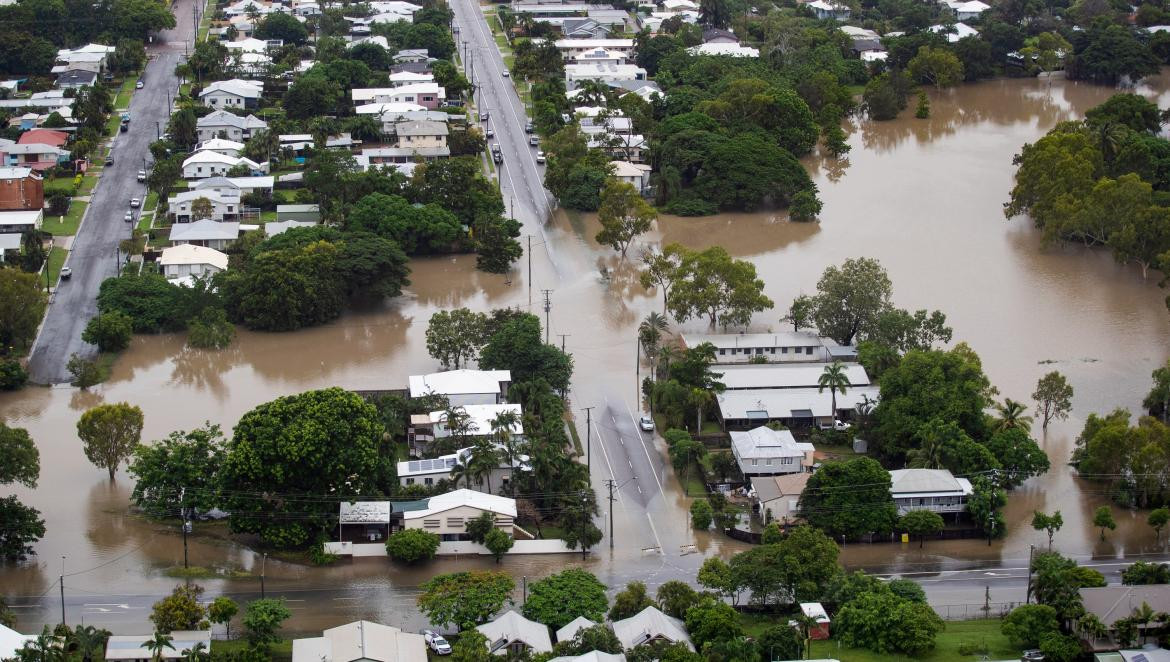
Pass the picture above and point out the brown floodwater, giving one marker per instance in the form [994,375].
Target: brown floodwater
[923,196]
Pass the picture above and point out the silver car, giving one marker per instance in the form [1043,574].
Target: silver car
[646,423]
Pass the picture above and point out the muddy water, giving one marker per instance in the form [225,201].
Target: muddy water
[923,196]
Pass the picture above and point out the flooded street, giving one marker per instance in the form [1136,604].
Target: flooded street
[923,196]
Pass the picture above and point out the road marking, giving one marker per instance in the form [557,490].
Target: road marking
[631,462]
[655,532]
[653,471]
[612,475]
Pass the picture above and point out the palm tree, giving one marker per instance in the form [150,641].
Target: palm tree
[45,648]
[667,354]
[502,426]
[592,93]
[834,379]
[1012,415]
[929,455]
[196,653]
[699,398]
[1109,137]
[460,471]
[89,640]
[158,644]
[485,458]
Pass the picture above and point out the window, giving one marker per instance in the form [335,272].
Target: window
[783,350]
[722,352]
[431,523]
[771,350]
[755,463]
[768,462]
[429,481]
[410,481]
[808,350]
[786,460]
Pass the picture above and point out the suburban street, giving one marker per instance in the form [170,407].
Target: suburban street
[94,257]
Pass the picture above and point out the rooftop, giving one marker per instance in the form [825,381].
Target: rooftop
[464,497]
[773,487]
[1113,603]
[776,339]
[764,442]
[784,375]
[457,382]
[763,404]
[192,254]
[364,641]
[204,230]
[926,482]
[512,627]
[648,624]
[133,647]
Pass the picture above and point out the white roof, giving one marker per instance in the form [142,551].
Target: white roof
[458,382]
[480,417]
[381,108]
[627,169]
[961,30]
[788,402]
[464,497]
[371,93]
[815,611]
[364,512]
[251,44]
[603,70]
[14,172]
[251,89]
[573,627]
[854,31]
[784,375]
[764,442]
[970,7]
[732,50]
[230,196]
[361,640]
[411,76]
[872,56]
[594,43]
[21,217]
[220,143]
[11,640]
[204,230]
[9,241]
[510,627]
[192,254]
[206,156]
[926,482]
[648,624]
[421,128]
[273,228]
[592,656]
[224,118]
[133,647]
[753,340]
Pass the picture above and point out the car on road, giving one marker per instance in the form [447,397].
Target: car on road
[839,426]
[124,128]
[490,133]
[505,73]
[142,175]
[646,423]
[539,156]
[129,217]
[66,273]
[534,141]
[109,160]
[436,642]
[529,127]
[138,85]
[134,202]
[498,157]
[484,116]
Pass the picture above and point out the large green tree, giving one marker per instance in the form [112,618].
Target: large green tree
[849,498]
[465,599]
[886,623]
[22,304]
[517,346]
[109,434]
[287,453]
[711,284]
[624,215]
[178,472]
[851,299]
[562,597]
[20,525]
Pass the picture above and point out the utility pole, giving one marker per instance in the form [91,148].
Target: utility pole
[547,308]
[610,483]
[588,437]
[563,336]
[524,589]
[263,563]
[1028,595]
[186,524]
[530,270]
[61,581]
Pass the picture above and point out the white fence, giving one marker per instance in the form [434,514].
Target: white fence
[453,548]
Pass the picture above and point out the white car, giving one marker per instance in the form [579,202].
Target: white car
[138,85]
[129,217]
[839,426]
[134,202]
[646,423]
[436,642]
[539,157]
[505,73]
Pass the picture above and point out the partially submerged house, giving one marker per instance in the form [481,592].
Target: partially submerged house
[936,490]
[464,387]
[779,496]
[763,451]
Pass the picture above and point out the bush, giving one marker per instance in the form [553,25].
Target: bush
[412,546]
[110,331]
[58,204]
[12,375]
[701,515]
[1026,625]
[210,329]
[690,206]
[85,373]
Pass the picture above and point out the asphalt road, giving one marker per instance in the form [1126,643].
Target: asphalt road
[94,255]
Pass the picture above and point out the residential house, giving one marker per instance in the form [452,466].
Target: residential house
[12,641]
[574,626]
[383,109]
[1148,653]
[361,641]
[616,20]
[37,156]
[719,36]
[815,611]
[19,222]
[955,32]
[780,346]
[91,57]
[727,50]
[763,451]
[583,28]
[793,407]
[205,232]
[758,376]
[221,146]
[575,74]
[967,10]
[626,147]
[74,79]
[404,78]
[1114,603]
[224,206]
[21,189]
[240,186]
[936,490]
[273,228]
[251,45]
[478,422]
[234,93]
[389,155]
[648,626]
[428,95]
[635,174]
[299,213]
[189,260]
[391,117]
[421,134]
[599,56]
[416,67]
[592,656]
[778,497]
[432,471]
[222,124]
[512,633]
[8,242]
[464,387]
[247,7]
[675,6]
[446,515]
[573,48]
[413,55]
[133,648]
[830,10]
[205,164]
[307,8]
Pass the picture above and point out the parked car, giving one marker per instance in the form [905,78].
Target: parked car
[533,140]
[129,217]
[484,116]
[490,133]
[124,128]
[66,273]
[109,160]
[1032,656]
[539,157]
[529,128]
[436,642]
[142,175]
[505,73]
[134,202]
[498,157]
[646,423]
[839,426]
[138,85]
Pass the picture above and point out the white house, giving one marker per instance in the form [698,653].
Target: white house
[511,632]
[133,648]
[929,489]
[205,164]
[12,641]
[755,376]
[446,515]
[748,408]
[575,74]
[248,45]
[430,472]
[229,125]
[763,451]
[386,108]
[16,222]
[403,78]
[635,174]
[223,205]
[967,10]
[191,260]
[273,228]
[830,10]
[464,387]
[779,496]
[648,626]
[234,93]
[779,346]
[427,95]
[955,32]
[599,56]
[573,48]
[574,626]
[90,57]
[361,641]
[235,185]
[479,420]
[221,146]
[729,50]
[421,134]
[206,232]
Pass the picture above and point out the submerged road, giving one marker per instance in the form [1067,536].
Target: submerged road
[94,255]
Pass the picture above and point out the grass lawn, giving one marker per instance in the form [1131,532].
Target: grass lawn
[946,647]
[692,481]
[280,651]
[124,94]
[56,261]
[151,200]
[65,226]
[87,183]
[59,185]
[576,439]
[267,216]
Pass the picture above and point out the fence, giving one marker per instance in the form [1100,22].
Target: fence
[967,612]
